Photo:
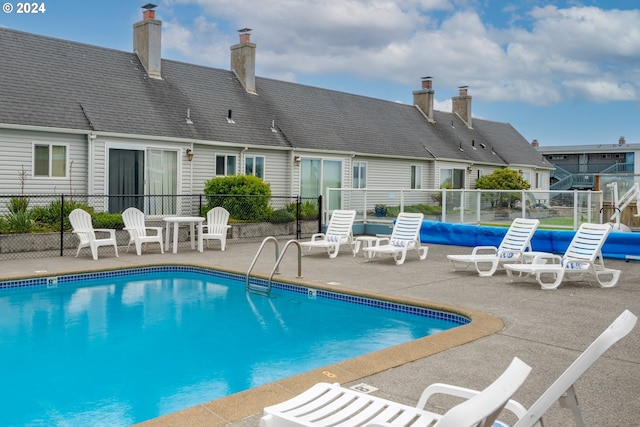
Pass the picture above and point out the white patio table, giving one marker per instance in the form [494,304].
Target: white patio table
[176,221]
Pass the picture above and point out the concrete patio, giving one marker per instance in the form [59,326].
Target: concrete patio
[547,329]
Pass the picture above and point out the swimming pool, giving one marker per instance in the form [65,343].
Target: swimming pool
[131,345]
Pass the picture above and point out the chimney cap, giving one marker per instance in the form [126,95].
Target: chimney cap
[463,87]
[426,78]
[149,6]
[244,30]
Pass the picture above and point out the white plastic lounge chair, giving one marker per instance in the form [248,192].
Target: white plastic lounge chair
[404,237]
[487,259]
[332,405]
[81,222]
[583,258]
[563,389]
[216,227]
[339,232]
[134,223]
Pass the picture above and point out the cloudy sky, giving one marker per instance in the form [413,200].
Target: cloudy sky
[561,72]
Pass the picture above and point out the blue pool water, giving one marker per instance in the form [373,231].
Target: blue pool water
[116,348]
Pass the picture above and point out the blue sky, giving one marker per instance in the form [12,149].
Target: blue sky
[561,72]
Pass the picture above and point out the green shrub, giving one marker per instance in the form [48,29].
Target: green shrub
[18,205]
[107,220]
[246,197]
[308,210]
[281,216]
[48,218]
[19,222]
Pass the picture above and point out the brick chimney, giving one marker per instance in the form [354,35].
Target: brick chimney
[147,41]
[462,105]
[423,99]
[243,60]
[622,141]
[535,144]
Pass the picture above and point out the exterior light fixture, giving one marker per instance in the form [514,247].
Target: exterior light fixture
[189,154]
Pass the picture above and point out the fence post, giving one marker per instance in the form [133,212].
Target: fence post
[61,224]
[320,213]
[298,220]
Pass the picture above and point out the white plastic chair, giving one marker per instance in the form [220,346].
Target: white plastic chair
[339,232]
[583,258]
[563,389]
[404,237]
[487,259]
[134,223]
[216,226]
[330,404]
[83,228]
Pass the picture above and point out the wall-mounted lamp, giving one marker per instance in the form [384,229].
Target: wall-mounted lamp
[469,170]
[189,154]
[296,160]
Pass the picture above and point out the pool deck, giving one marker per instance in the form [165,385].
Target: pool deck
[546,329]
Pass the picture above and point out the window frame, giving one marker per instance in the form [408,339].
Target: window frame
[416,177]
[50,160]
[357,169]
[226,159]
[254,165]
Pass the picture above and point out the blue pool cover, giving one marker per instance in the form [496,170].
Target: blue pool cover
[618,245]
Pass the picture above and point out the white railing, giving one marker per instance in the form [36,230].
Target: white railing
[555,209]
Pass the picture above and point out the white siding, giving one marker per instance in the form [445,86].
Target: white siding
[17,152]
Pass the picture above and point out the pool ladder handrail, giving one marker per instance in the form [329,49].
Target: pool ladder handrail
[266,290]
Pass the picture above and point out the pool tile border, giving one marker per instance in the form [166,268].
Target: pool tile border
[47,282]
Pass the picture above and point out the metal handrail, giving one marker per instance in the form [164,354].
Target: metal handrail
[275,267]
[255,258]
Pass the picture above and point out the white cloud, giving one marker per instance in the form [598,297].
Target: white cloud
[542,57]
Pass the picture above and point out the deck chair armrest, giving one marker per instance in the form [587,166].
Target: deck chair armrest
[491,249]
[111,231]
[545,257]
[464,393]
[382,240]
[317,236]
[158,230]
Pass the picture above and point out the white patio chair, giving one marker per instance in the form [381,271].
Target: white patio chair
[332,405]
[563,389]
[404,237]
[582,259]
[487,259]
[339,232]
[83,228]
[216,226]
[134,223]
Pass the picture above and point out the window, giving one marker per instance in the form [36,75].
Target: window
[254,165]
[526,176]
[452,178]
[50,160]
[359,175]
[416,177]
[225,165]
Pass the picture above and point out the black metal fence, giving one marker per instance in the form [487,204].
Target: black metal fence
[34,226]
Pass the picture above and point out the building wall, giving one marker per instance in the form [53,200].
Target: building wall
[17,153]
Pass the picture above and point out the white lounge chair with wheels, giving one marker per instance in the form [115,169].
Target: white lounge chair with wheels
[582,259]
[339,232]
[563,389]
[332,405]
[216,227]
[487,259]
[404,237]
[83,228]
[134,223]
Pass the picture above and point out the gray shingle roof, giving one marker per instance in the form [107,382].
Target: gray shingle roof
[56,83]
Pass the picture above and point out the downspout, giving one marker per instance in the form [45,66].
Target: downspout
[91,136]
